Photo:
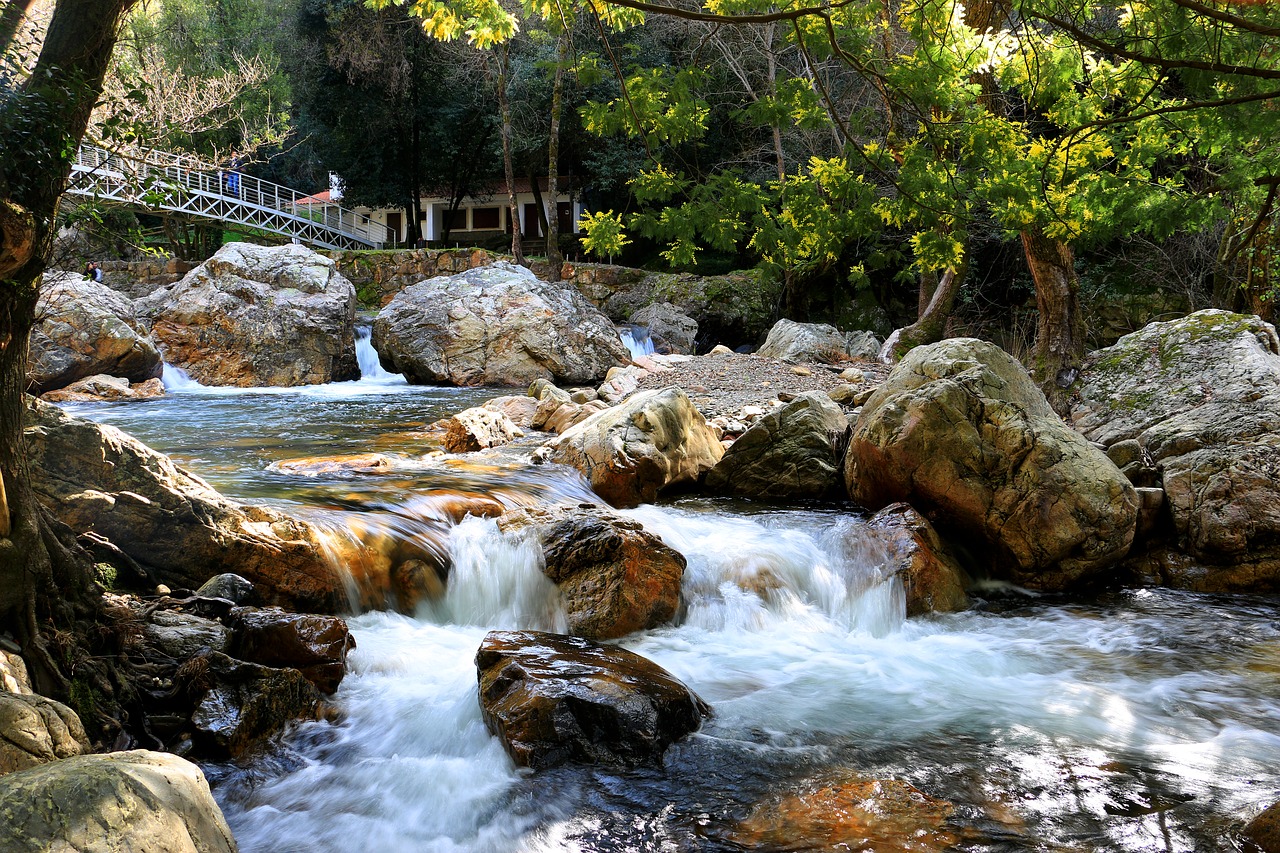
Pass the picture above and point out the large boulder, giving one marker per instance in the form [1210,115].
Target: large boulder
[478,428]
[653,441]
[613,575]
[816,342]
[83,329]
[35,730]
[496,325]
[124,801]
[960,432]
[671,330]
[1263,832]
[553,699]
[101,388]
[170,522]
[792,452]
[1193,406]
[258,315]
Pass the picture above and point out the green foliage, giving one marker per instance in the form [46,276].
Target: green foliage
[603,234]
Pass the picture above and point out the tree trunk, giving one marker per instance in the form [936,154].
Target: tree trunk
[1247,279]
[554,259]
[508,168]
[1059,348]
[40,579]
[931,324]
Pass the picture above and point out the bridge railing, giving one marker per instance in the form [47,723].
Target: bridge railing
[166,180]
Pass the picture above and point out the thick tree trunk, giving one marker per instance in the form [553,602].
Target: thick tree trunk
[554,259]
[1059,348]
[508,167]
[40,579]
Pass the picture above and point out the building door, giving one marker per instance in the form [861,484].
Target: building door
[564,217]
[532,221]
[393,227]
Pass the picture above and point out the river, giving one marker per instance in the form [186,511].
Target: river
[1141,720]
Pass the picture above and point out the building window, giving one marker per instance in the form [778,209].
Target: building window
[485,218]
[456,220]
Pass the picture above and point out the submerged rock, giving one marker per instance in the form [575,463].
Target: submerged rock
[848,811]
[496,325]
[553,699]
[614,576]
[124,801]
[320,466]
[170,522]
[1194,405]
[792,452]
[258,315]
[653,441]
[960,432]
[84,329]
[35,730]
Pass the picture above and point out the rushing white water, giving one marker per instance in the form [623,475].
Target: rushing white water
[371,369]
[637,340]
[176,380]
[1144,721]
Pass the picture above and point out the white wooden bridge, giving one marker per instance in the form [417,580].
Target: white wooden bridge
[159,180]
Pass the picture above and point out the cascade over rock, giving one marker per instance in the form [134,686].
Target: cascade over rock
[1193,406]
[83,329]
[495,325]
[35,730]
[791,452]
[124,801]
[258,315]
[959,431]
[652,441]
[670,329]
[816,342]
[553,699]
[173,524]
[930,573]
[614,576]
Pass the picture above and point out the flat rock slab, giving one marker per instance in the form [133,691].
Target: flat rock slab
[553,699]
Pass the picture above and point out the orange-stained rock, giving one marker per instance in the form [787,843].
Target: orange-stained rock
[315,466]
[553,699]
[614,576]
[930,573]
[849,812]
[103,388]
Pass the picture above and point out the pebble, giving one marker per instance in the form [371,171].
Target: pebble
[721,349]
[161,589]
[801,370]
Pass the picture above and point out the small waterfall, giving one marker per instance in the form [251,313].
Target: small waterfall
[367,357]
[175,379]
[637,340]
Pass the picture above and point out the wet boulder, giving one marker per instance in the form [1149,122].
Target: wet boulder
[83,329]
[180,636]
[670,329]
[495,325]
[1263,832]
[553,699]
[246,704]
[169,522]
[105,389]
[816,342]
[258,315]
[1192,406]
[478,428]
[959,431]
[227,585]
[35,730]
[518,408]
[314,645]
[124,801]
[792,452]
[613,575]
[931,575]
[654,441]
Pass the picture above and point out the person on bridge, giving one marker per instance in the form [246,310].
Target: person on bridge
[233,176]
